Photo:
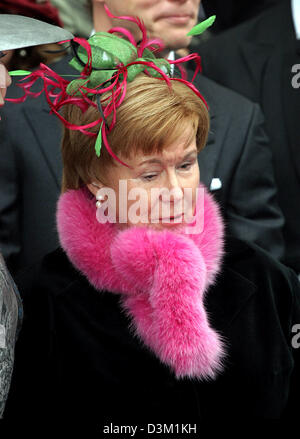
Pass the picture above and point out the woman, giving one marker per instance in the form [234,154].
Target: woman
[10,323]
[128,324]
[10,303]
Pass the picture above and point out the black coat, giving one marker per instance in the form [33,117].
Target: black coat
[233,12]
[77,360]
[30,174]
[256,59]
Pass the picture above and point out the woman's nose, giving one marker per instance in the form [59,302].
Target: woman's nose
[174,186]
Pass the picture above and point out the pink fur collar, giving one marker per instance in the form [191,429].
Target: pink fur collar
[161,276]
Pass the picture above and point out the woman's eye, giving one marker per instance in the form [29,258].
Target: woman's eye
[149,177]
[186,166]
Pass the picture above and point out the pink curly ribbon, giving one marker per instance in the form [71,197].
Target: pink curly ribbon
[54,86]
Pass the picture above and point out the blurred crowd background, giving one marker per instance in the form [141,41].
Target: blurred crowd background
[76,16]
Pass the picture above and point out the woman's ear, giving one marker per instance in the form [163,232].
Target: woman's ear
[94,187]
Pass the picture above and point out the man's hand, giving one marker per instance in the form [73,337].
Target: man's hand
[5,81]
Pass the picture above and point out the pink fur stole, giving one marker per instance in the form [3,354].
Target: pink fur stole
[161,276]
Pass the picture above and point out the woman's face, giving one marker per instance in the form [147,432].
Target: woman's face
[156,190]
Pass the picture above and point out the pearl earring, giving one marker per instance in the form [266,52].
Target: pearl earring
[99,198]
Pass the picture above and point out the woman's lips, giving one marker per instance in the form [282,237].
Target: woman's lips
[171,218]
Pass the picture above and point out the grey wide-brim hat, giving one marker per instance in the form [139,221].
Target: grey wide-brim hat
[17,32]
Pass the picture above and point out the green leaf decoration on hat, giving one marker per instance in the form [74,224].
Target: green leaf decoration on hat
[109,51]
[98,144]
[96,78]
[161,63]
[19,73]
[201,27]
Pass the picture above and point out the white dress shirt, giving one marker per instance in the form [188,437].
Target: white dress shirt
[296,17]
[171,57]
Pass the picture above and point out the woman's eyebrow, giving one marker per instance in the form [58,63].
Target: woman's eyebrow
[193,152]
[159,161]
[150,161]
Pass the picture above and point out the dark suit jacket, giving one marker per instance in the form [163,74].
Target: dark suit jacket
[233,12]
[256,59]
[237,154]
[78,361]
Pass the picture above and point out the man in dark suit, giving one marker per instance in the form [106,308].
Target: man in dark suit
[233,12]
[261,59]
[236,164]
